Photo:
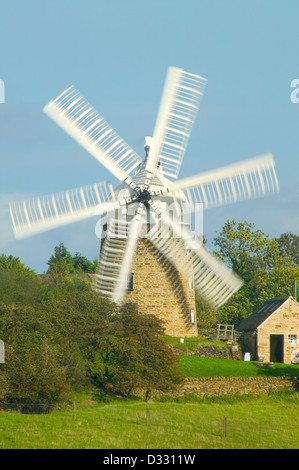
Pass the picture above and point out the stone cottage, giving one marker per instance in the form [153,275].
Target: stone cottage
[271,333]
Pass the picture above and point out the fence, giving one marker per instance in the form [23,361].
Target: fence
[209,428]
[33,408]
[225,332]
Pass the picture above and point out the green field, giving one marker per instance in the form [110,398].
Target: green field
[194,366]
[269,422]
[252,422]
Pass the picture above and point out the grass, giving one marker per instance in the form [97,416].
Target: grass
[193,343]
[192,422]
[194,366]
[252,423]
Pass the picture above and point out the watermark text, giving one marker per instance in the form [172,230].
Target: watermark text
[183,216]
[294,97]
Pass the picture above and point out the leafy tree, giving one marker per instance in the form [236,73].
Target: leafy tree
[243,248]
[288,244]
[63,263]
[11,263]
[263,264]
[71,336]
[81,264]
[35,371]
[207,315]
[18,283]
[131,355]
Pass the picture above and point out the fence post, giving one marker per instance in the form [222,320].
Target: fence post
[148,417]
[224,427]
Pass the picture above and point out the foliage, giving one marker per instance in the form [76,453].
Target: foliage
[18,283]
[62,263]
[245,249]
[207,315]
[67,336]
[267,266]
[288,244]
[131,355]
[61,335]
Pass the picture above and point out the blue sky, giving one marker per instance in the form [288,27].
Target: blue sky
[117,53]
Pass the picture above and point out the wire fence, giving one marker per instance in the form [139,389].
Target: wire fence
[46,408]
[252,429]
[33,408]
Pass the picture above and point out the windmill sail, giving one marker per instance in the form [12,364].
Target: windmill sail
[245,180]
[152,187]
[46,212]
[211,278]
[178,109]
[117,254]
[77,117]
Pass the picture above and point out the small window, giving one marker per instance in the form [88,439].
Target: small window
[192,315]
[292,339]
[129,283]
[190,283]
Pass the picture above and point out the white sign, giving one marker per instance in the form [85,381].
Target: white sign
[247,356]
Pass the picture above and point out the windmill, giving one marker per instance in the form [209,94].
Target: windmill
[138,207]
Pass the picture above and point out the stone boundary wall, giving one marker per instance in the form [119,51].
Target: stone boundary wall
[204,351]
[213,386]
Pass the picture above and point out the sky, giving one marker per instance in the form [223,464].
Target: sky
[117,53]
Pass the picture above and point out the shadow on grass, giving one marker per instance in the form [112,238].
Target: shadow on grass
[278,370]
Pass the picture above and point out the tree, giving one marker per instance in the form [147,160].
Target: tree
[34,372]
[288,244]
[11,263]
[243,249]
[82,264]
[71,336]
[63,263]
[35,369]
[44,339]
[207,315]
[18,283]
[130,355]
[264,264]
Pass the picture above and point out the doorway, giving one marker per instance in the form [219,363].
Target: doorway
[276,348]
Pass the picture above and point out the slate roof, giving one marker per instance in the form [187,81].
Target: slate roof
[261,314]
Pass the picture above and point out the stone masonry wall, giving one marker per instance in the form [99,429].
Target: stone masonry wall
[161,290]
[215,386]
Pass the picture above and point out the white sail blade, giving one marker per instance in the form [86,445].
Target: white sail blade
[78,118]
[179,105]
[43,213]
[245,180]
[116,258]
[211,278]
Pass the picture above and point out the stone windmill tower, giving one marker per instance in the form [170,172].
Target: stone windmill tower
[148,254]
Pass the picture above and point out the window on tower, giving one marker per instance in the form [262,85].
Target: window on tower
[130,282]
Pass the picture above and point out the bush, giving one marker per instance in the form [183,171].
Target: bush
[68,336]
[131,355]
